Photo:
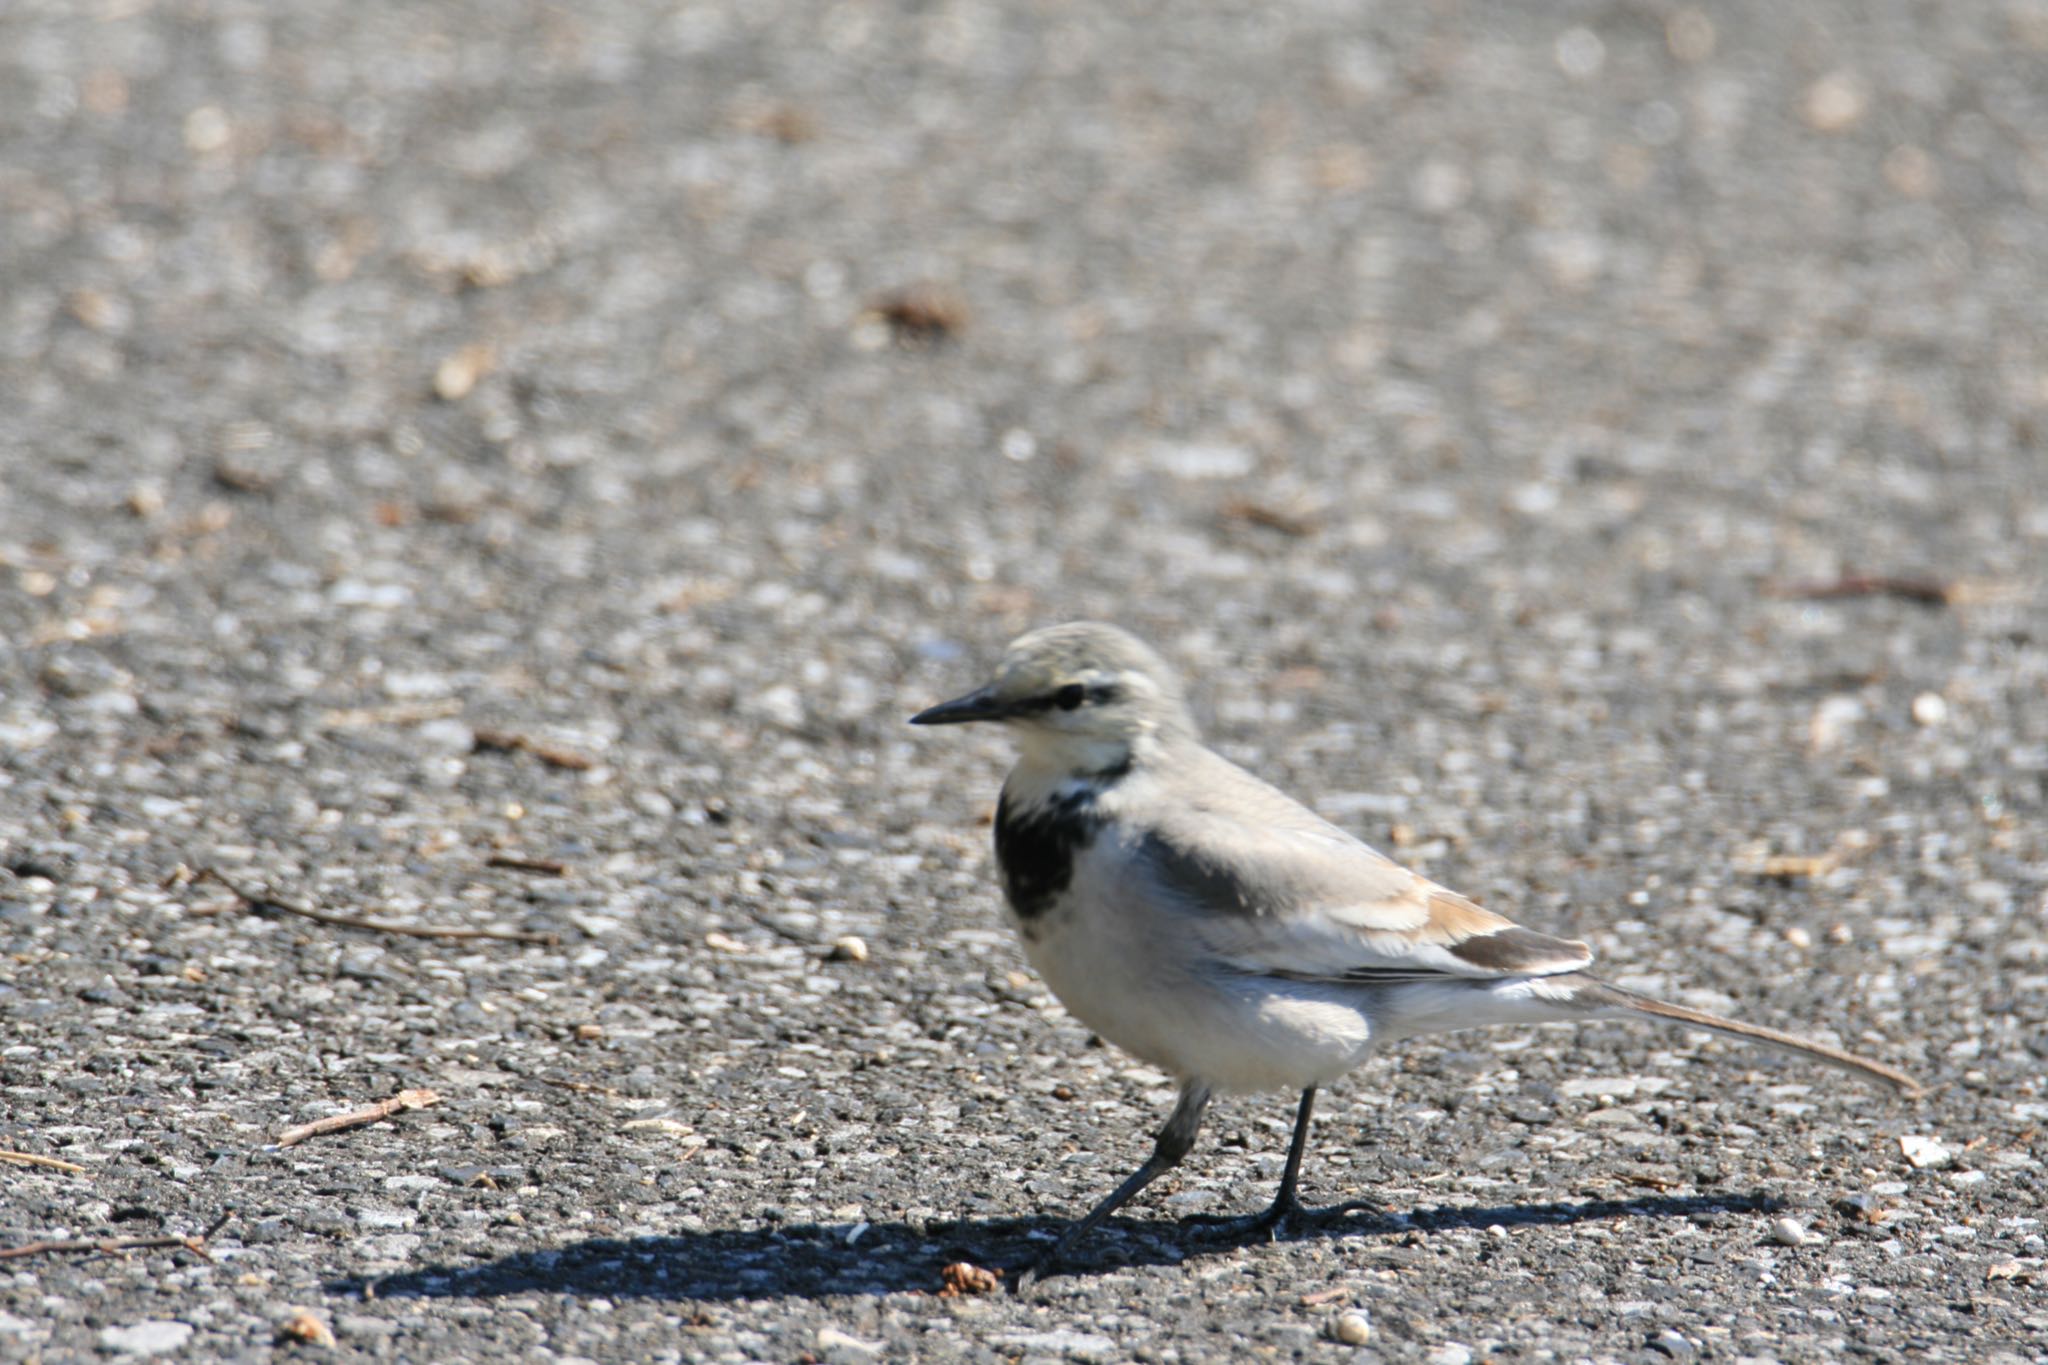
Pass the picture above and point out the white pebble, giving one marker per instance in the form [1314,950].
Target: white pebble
[835,1344]
[1353,1328]
[1836,102]
[1203,459]
[1832,721]
[152,1338]
[1929,709]
[849,948]
[1924,1152]
[207,129]
[1019,445]
[1788,1232]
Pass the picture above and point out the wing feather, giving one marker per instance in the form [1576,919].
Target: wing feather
[1271,888]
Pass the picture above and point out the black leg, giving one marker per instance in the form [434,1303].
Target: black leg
[1287,1216]
[1285,1202]
[1175,1140]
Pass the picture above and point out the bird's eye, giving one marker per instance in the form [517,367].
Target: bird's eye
[1070,696]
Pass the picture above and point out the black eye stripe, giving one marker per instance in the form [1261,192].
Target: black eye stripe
[1070,697]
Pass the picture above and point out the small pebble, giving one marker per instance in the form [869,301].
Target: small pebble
[1353,1328]
[1929,709]
[1924,1152]
[207,129]
[834,1344]
[849,948]
[1832,722]
[459,372]
[1836,102]
[152,1338]
[304,1325]
[1673,1345]
[1788,1232]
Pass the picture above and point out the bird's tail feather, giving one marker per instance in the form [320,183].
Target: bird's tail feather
[1600,995]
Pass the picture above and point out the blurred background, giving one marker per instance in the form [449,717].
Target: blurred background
[1593,449]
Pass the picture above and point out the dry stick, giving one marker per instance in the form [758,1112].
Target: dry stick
[1923,590]
[262,899]
[507,742]
[519,862]
[109,1246]
[31,1159]
[1279,519]
[356,1118]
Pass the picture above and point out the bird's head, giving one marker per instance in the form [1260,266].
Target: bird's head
[1082,696]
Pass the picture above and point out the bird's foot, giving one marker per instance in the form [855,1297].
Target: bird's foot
[1047,1266]
[1287,1219]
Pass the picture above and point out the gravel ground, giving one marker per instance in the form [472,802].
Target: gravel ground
[442,436]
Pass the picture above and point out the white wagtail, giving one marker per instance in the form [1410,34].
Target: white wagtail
[1212,926]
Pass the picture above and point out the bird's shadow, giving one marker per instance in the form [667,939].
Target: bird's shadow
[813,1261]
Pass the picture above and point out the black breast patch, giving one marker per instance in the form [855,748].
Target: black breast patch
[1036,848]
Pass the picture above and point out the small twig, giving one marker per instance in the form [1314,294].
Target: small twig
[31,1159]
[556,756]
[1281,519]
[551,867]
[114,1246]
[581,1087]
[920,313]
[398,713]
[258,900]
[1786,867]
[1926,591]
[357,1118]
[505,741]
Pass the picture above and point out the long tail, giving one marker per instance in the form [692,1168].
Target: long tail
[1600,995]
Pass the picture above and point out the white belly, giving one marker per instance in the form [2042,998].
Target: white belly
[1236,1033]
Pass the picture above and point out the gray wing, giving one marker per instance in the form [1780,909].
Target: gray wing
[1270,888]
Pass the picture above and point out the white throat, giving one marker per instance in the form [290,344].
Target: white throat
[1049,760]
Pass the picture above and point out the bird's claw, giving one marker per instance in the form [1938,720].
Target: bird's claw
[1284,1221]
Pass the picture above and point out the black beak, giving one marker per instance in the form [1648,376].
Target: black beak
[977,705]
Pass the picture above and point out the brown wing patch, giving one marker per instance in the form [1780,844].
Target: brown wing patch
[1452,918]
[1493,943]
[1515,951]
